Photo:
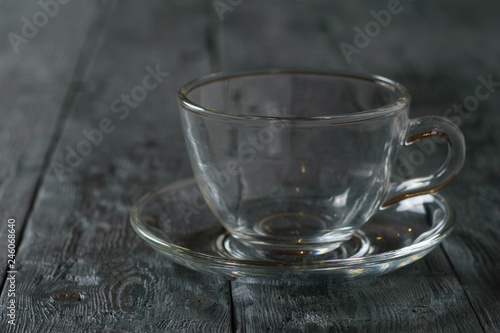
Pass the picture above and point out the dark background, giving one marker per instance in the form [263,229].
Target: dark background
[80,265]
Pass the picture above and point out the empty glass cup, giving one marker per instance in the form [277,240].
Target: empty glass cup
[295,162]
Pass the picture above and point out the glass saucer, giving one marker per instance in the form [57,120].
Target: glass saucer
[177,223]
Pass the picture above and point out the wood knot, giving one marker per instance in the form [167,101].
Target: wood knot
[65,297]
[199,303]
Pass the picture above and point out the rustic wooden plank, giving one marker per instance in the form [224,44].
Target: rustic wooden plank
[419,298]
[402,50]
[427,296]
[81,264]
[35,82]
[471,249]
[40,50]
[474,246]
[282,34]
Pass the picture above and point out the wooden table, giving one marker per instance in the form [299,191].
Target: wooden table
[73,162]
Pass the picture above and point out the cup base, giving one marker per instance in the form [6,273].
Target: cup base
[291,225]
[228,246]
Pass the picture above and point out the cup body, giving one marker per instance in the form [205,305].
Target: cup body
[296,160]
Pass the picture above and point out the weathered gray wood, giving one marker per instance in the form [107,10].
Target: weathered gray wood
[419,298]
[33,82]
[282,34]
[473,249]
[82,267]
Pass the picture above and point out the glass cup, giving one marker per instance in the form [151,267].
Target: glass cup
[293,163]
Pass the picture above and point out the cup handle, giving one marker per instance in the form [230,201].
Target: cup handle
[427,127]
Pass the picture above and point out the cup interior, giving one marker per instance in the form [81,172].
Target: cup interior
[293,162]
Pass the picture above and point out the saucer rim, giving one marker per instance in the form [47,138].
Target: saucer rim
[182,254]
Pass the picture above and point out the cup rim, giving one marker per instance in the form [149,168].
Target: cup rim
[403,100]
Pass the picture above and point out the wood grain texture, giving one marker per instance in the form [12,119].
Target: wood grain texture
[82,267]
[34,85]
[423,297]
[474,246]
